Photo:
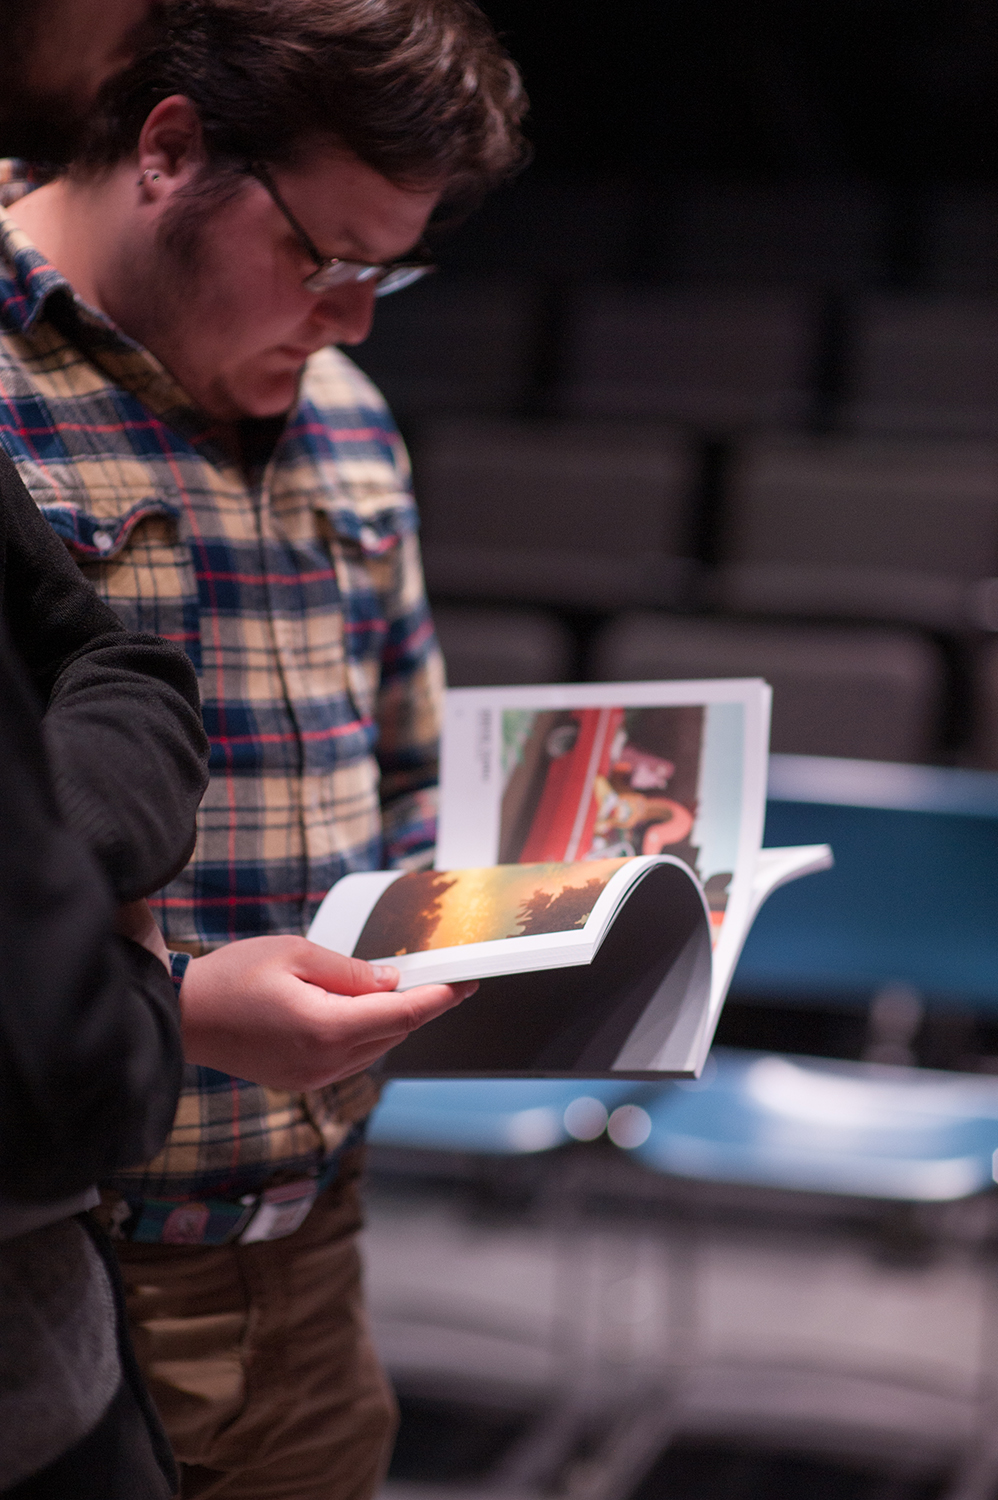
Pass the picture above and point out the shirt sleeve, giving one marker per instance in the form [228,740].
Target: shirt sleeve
[410,707]
[90,1052]
[123,734]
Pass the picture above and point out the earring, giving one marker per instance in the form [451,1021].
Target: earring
[147,173]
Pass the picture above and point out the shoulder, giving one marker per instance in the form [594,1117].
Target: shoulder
[344,426]
[333,379]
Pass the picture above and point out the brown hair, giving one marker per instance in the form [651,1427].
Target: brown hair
[420,90]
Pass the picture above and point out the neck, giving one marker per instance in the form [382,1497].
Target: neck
[73,226]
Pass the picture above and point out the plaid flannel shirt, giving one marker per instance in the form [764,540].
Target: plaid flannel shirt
[299,597]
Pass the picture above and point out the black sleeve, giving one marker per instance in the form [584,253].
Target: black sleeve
[90,1053]
[123,733]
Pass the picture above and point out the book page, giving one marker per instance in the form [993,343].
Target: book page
[634,1011]
[443,925]
[598,771]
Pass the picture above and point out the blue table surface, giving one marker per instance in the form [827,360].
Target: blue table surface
[506,1117]
[846,1128]
[913,897]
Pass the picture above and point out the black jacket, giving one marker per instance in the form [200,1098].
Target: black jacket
[97,804]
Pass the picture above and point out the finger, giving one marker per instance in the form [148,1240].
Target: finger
[372,1018]
[340,974]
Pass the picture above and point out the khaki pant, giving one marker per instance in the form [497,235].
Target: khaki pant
[260,1362]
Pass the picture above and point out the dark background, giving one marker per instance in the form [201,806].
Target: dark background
[897,91]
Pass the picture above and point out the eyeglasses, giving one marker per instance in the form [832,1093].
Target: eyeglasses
[331,271]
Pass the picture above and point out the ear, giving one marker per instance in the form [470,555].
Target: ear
[171,147]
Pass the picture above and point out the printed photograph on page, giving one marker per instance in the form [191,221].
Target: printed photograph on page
[611,782]
[429,909]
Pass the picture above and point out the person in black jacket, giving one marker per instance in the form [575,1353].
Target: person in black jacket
[102,764]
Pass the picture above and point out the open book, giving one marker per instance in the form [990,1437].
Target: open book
[598,868]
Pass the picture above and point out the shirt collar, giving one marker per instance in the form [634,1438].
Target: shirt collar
[28,283]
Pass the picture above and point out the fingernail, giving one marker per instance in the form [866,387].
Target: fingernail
[384,975]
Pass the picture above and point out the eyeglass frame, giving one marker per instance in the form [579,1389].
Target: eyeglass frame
[399,273]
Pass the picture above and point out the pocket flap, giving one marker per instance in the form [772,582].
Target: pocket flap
[375,533]
[98,538]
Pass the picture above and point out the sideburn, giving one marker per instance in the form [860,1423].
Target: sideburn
[180,236]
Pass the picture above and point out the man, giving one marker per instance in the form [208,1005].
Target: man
[227,480]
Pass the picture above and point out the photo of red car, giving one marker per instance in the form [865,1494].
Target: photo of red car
[578,752]
[583,788]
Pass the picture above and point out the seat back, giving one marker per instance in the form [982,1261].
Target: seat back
[873,693]
[495,647]
[453,343]
[877,528]
[912,899]
[714,358]
[812,234]
[962,248]
[926,365]
[555,513]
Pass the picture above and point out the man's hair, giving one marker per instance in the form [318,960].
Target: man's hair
[420,90]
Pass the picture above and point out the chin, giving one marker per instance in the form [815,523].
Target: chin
[269,397]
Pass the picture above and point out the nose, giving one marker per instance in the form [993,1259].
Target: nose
[347,312]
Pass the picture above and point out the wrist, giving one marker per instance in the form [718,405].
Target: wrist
[178,969]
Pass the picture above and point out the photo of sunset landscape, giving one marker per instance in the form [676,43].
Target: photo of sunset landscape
[449,908]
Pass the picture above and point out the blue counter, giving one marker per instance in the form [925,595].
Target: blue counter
[913,896]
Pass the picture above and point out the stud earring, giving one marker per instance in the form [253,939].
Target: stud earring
[147,173]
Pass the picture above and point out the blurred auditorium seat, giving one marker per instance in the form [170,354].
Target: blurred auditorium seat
[555,513]
[872,693]
[925,366]
[818,234]
[910,907]
[565,226]
[983,752]
[453,343]
[713,358]
[962,241]
[868,528]
[494,647]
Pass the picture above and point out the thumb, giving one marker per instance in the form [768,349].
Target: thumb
[342,975]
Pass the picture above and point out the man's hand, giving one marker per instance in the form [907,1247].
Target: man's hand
[137,922]
[286,1013]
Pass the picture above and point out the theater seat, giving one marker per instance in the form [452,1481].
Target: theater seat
[555,513]
[874,528]
[453,343]
[962,240]
[713,358]
[811,233]
[867,692]
[492,647]
[925,366]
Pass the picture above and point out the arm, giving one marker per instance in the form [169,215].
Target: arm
[122,727]
[90,1056]
[410,706]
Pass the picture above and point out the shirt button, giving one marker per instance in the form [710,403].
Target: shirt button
[369,537]
[103,541]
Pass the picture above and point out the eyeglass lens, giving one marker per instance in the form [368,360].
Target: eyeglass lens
[388,278]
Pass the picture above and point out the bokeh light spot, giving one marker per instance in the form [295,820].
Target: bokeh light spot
[585,1118]
[629,1126]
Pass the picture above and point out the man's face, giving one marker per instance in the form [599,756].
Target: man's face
[55,56]
[236,326]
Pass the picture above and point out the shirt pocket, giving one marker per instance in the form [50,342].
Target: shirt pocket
[139,565]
